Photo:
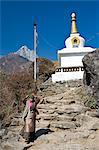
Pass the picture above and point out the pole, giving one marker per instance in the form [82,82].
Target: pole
[35,67]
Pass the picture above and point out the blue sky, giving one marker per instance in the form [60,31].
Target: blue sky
[53,24]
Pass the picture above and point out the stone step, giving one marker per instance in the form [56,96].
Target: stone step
[61,109]
[62,125]
[56,117]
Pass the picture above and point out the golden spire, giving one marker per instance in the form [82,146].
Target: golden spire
[73,27]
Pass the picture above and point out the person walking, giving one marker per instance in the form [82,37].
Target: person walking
[29,117]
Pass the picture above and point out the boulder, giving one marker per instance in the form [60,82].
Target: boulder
[91,74]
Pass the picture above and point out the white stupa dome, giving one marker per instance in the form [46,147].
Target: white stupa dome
[75,41]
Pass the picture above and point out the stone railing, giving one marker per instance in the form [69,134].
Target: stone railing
[70,69]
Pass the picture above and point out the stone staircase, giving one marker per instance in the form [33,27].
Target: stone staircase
[61,111]
[63,123]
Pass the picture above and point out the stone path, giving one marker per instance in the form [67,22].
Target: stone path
[64,123]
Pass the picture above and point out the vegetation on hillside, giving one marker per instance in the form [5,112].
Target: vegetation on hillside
[15,87]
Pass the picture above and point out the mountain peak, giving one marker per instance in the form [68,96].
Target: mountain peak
[25,52]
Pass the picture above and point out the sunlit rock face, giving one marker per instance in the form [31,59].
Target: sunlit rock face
[91,73]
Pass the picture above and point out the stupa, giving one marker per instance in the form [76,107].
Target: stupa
[70,57]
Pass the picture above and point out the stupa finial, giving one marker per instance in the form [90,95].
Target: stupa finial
[73,26]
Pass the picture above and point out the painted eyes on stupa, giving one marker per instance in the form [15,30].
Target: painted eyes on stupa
[75,41]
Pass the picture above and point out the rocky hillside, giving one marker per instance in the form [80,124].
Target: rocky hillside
[64,122]
[91,74]
[13,63]
[17,61]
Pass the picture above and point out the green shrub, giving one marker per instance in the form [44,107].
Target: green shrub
[90,102]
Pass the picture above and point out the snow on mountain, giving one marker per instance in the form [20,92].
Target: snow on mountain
[25,52]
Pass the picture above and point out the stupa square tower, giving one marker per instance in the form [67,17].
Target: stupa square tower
[70,58]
